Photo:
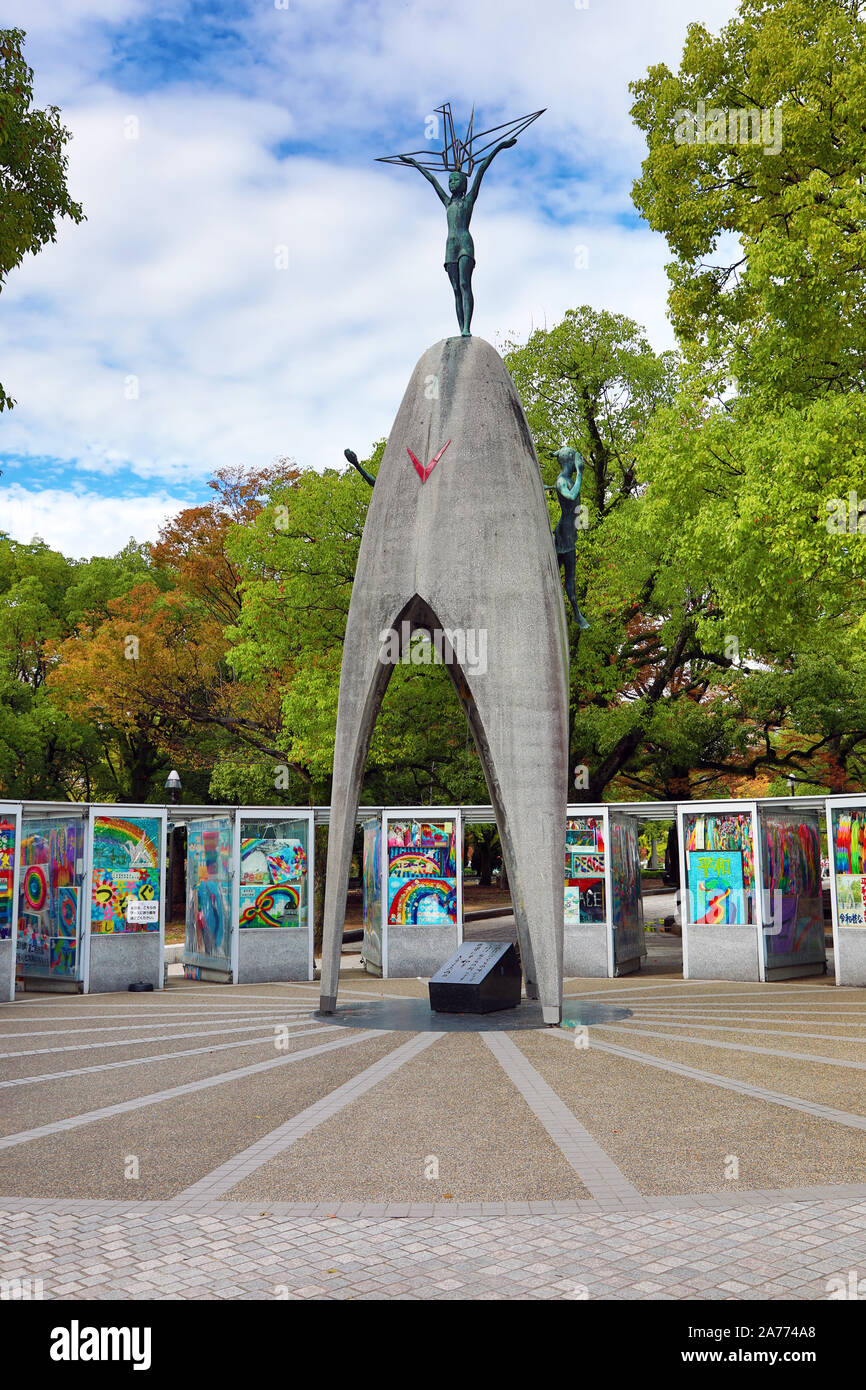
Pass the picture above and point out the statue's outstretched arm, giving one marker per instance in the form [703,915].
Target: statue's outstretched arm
[485,165]
[353,459]
[407,159]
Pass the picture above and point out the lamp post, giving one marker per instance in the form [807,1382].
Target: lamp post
[173,787]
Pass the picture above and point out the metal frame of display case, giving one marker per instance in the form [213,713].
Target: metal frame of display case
[799,805]
[731,807]
[576,933]
[372,815]
[273,813]
[422,813]
[120,810]
[63,810]
[185,815]
[855,801]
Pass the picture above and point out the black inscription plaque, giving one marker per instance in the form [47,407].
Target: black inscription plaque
[479,978]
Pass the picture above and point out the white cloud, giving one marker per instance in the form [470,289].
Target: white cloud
[172,280]
[84,524]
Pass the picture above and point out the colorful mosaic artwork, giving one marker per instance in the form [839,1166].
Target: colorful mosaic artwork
[584,870]
[208,887]
[51,874]
[626,894]
[125,871]
[422,873]
[724,830]
[716,896]
[793,911]
[851,899]
[273,875]
[7,875]
[372,883]
[849,863]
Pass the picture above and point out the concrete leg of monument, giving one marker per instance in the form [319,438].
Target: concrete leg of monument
[363,682]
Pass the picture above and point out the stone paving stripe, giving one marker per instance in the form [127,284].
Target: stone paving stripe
[251,1011]
[158,1097]
[745,1019]
[229,1174]
[674,1022]
[124,1028]
[737,1047]
[311,1024]
[353,995]
[306,1031]
[755,1010]
[596,1170]
[166,1208]
[162,1011]
[697,991]
[821,1112]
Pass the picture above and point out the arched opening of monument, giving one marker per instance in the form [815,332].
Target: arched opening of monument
[418,642]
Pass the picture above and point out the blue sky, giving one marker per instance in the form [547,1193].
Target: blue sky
[213,143]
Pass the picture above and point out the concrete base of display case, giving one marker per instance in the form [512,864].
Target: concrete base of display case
[722,952]
[273,953]
[7,973]
[584,951]
[121,959]
[420,950]
[851,956]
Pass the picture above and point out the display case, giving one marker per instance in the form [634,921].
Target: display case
[422,889]
[721,911]
[210,941]
[587,935]
[274,877]
[10,838]
[846,852]
[53,872]
[603,932]
[125,926]
[789,863]
[371,878]
[626,896]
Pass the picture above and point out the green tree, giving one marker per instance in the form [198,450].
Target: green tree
[768,235]
[33,192]
[754,471]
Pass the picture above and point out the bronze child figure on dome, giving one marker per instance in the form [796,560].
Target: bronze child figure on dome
[459,159]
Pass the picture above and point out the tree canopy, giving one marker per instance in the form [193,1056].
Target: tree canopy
[33,162]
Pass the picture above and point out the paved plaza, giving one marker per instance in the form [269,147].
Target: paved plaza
[706,1140]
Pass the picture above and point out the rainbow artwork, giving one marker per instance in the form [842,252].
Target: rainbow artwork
[422,873]
[7,871]
[273,878]
[125,869]
[849,863]
[51,874]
